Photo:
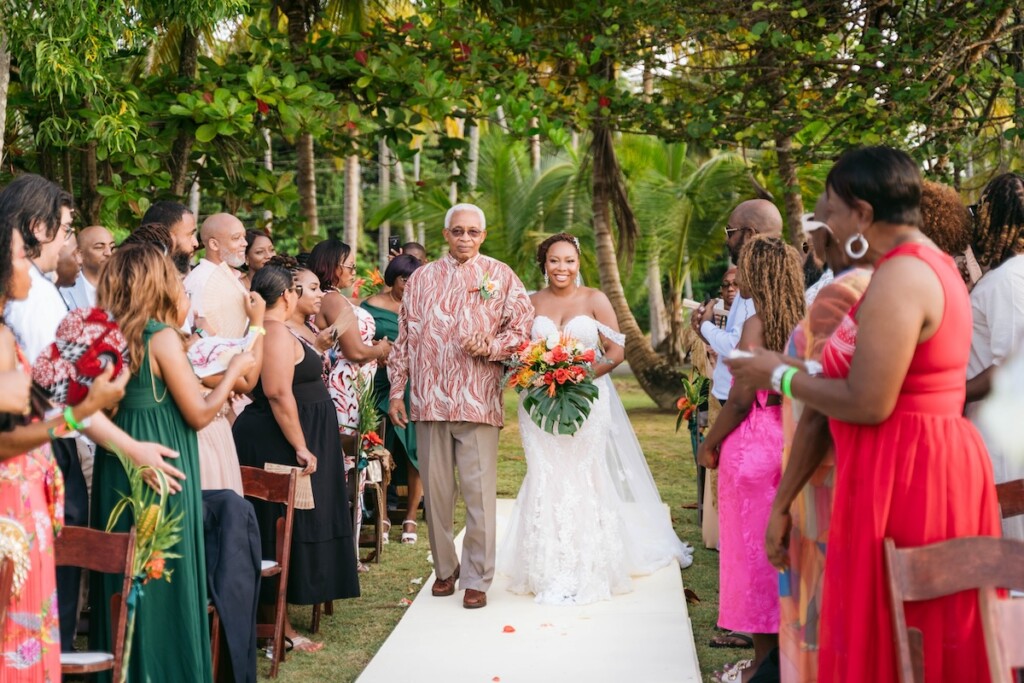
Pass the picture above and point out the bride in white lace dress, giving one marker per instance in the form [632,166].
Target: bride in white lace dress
[588,515]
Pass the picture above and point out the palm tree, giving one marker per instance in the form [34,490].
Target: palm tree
[682,202]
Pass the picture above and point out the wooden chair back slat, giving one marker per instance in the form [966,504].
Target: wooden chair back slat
[108,553]
[1011,498]
[940,569]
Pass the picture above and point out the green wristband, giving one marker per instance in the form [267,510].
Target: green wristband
[69,419]
[787,381]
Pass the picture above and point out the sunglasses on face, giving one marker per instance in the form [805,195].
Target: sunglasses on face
[459,232]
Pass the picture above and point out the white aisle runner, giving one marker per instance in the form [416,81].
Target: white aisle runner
[642,637]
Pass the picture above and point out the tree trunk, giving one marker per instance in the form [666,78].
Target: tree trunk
[654,374]
[268,164]
[790,189]
[408,229]
[305,155]
[384,190]
[67,172]
[473,163]
[5,79]
[535,148]
[181,150]
[91,202]
[656,301]
[306,159]
[352,180]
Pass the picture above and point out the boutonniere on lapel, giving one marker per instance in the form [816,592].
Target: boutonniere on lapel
[487,289]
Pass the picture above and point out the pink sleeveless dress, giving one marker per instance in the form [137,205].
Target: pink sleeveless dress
[749,471]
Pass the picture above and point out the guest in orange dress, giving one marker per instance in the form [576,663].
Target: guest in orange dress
[908,464]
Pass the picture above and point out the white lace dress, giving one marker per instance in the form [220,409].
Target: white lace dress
[588,515]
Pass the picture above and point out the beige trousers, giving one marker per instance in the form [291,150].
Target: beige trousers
[473,449]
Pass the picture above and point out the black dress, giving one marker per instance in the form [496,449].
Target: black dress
[323,562]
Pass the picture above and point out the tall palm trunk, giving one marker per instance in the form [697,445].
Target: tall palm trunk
[305,155]
[384,191]
[352,181]
[656,301]
[182,149]
[5,79]
[655,375]
[790,188]
[408,229]
[91,201]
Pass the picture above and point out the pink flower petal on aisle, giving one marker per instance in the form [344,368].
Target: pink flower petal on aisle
[404,602]
[509,629]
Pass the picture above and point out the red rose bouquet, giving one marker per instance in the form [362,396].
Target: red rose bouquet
[557,376]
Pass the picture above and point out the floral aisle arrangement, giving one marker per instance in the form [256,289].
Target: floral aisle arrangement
[557,376]
[368,285]
[155,534]
[371,447]
[695,394]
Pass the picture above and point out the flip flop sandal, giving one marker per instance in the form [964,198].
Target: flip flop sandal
[732,673]
[269,649]
[732,639]
[302,644]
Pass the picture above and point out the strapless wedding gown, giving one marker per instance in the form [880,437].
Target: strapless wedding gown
[588,515]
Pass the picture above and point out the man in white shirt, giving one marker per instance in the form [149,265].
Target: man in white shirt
[223,237]
[95,245]
[752,217]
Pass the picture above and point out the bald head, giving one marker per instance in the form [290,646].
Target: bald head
[752,217]
[95,245]
[223,236]
[759,214]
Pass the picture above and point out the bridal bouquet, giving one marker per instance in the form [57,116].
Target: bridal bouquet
[557,376]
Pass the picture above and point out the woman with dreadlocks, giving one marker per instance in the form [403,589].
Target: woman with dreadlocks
[997,302]
[745,444]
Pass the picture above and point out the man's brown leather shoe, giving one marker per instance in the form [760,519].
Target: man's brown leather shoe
[474,599]
[444,587]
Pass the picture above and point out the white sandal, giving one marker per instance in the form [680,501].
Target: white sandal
[409,537]
[385,530]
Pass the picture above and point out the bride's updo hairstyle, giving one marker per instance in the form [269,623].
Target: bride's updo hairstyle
[271,282]
[542,250]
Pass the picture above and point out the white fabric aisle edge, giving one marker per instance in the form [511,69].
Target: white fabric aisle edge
[642,636]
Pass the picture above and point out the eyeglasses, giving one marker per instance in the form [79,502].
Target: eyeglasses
[69,230]
[459,232]
[730,285]
[349,266]
[298,290]
[729,231]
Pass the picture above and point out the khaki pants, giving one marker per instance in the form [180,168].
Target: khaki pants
[473,449]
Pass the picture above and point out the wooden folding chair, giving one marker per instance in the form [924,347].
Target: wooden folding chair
[940,569]
[109,553]
[1011,498]
[275,488]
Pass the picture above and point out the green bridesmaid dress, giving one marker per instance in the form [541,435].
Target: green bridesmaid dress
[172,637]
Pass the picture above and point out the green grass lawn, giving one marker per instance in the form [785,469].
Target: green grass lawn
[359,627]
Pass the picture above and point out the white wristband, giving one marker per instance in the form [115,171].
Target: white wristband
[777,374]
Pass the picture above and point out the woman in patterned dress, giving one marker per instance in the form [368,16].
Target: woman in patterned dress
[357,354]
[31,487]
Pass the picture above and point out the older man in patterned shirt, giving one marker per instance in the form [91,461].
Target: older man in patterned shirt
[460,317]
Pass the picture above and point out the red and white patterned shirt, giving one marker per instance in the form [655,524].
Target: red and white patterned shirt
[444,302]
